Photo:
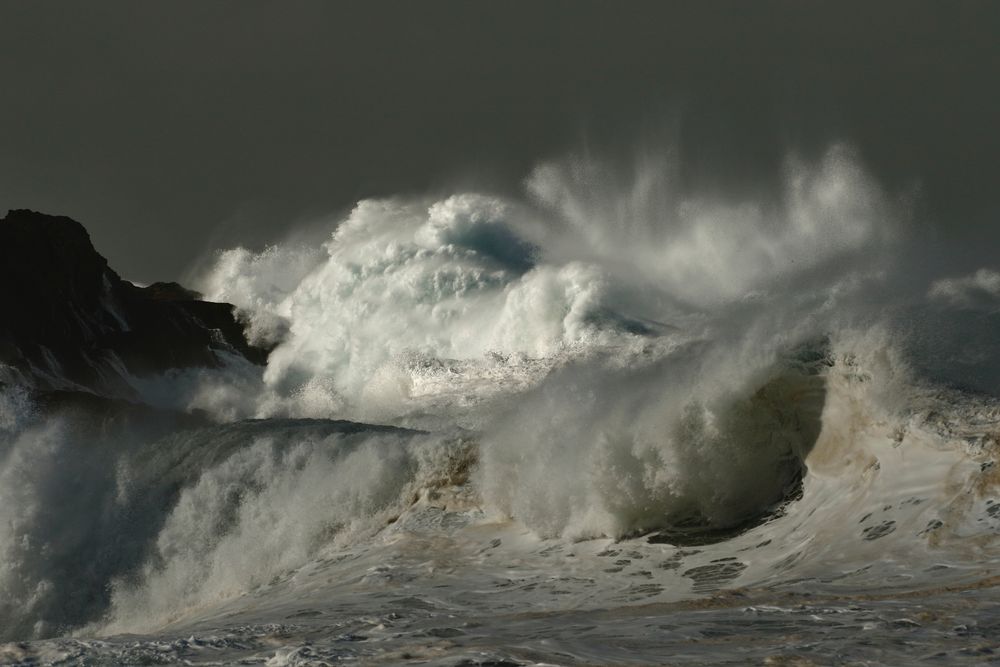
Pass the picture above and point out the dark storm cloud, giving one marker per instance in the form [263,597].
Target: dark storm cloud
[169,127]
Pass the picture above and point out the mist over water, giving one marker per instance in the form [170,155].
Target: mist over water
[605,363]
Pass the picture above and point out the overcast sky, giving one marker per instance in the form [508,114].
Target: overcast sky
[172,127]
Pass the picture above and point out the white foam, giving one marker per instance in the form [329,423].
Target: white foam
[583,268]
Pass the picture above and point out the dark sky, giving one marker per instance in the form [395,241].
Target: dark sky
[169,128]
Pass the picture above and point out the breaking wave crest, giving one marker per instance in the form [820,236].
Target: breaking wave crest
[415,306]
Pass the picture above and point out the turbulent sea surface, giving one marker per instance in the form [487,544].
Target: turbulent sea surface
[615,426]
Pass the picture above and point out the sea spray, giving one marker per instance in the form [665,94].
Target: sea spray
[412,301]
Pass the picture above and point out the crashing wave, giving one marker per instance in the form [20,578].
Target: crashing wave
[733,391]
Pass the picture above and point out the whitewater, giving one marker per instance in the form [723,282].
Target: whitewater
[606,421]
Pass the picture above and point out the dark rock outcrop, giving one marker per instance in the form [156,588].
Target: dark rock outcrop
[68,321]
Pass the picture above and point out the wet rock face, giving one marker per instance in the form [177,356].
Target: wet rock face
[68,321]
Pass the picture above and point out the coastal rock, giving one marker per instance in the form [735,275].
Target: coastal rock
[70,322]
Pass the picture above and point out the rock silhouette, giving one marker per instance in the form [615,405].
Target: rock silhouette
[69,322]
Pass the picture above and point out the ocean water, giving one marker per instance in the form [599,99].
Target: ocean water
[599,424]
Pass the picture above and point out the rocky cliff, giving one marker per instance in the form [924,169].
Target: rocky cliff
[68,321]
